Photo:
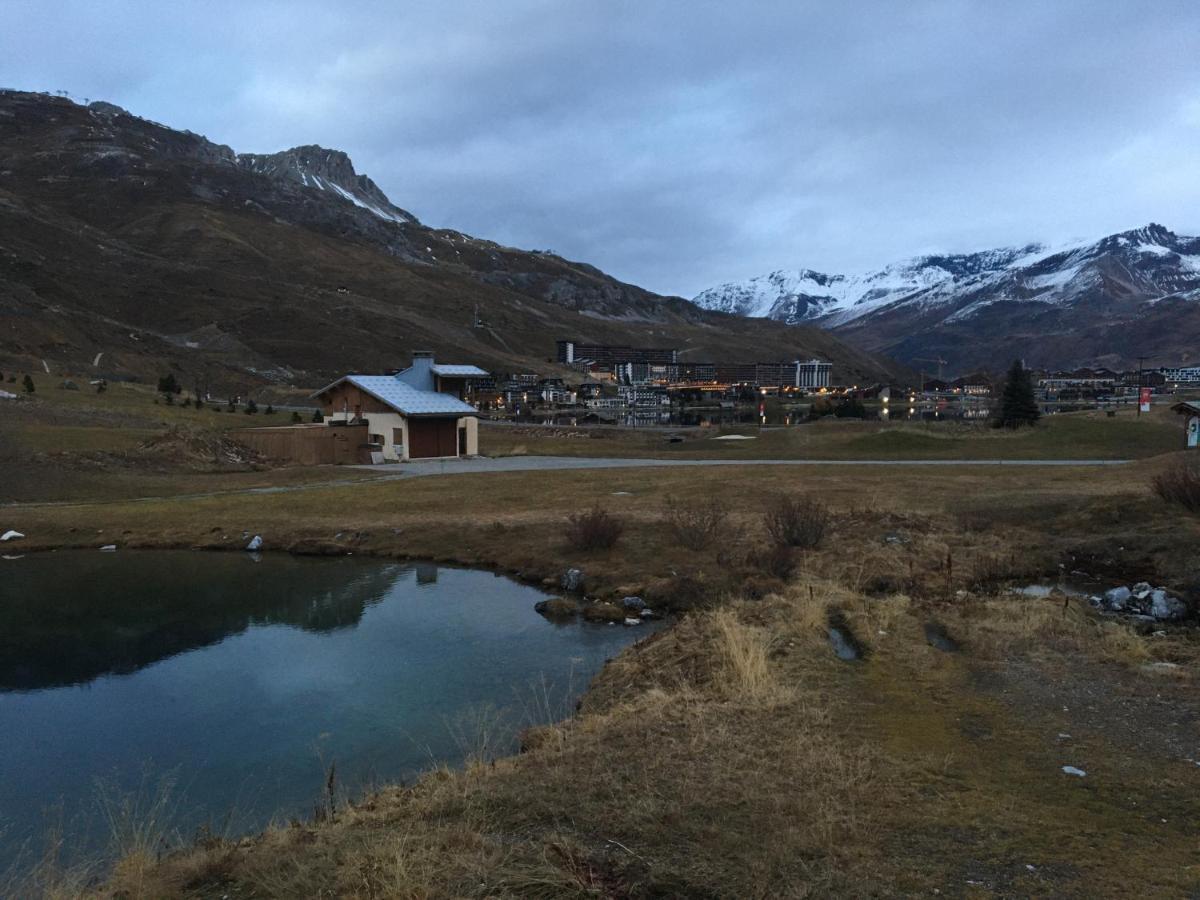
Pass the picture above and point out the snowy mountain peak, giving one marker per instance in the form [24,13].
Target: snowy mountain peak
[327,170]
[1009,299]
[1153,259]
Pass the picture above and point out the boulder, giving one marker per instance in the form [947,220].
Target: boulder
[69,386]
[1141,590]
[1116,598]
[634,603]
[631,621]
[109,548]
[1164,606]
[572,580]
[256,543]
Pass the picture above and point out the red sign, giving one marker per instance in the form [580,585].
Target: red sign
[1144,400]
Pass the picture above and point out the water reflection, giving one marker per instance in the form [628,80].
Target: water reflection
[118,618]
[249,678]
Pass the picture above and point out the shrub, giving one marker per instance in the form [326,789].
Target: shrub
[270,410]
[695,525]
[101,386]
[1180,484]
[198,403]
[797,521]
[296,418]
[251,407]
[168,385]
[28,382]
[776,561]
[595,529]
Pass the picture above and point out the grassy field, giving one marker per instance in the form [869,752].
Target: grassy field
[733,754]
[1063,436]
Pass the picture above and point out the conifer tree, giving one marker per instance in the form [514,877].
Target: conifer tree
[1018,405]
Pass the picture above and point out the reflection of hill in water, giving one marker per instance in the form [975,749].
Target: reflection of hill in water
[68,618]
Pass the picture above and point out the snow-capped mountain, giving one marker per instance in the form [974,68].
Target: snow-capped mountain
[984,307]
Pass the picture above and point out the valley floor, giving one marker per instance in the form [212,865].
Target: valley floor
[733,754]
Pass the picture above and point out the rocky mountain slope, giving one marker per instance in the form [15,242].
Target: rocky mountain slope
[126,246]
[1093,303]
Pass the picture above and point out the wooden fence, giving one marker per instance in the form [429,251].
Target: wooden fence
[308,445]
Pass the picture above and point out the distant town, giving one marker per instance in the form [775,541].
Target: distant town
[619,377]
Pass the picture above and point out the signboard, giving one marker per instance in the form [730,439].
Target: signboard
[1144,399]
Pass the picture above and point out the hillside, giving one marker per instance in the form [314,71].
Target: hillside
[1093,303]
[126,246]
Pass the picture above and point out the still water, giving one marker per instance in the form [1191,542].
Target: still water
[243,679]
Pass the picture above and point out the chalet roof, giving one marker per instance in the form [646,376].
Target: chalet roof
[453,371]
[1186,407]
[404,398]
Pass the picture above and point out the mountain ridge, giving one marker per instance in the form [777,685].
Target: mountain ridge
[982,308]
[125,241]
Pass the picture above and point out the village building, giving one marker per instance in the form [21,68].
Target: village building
[417,413]
[814,374]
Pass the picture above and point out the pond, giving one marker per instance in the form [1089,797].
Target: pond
[241,680]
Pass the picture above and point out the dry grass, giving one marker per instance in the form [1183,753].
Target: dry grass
[743,650]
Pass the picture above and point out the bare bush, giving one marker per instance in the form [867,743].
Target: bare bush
[774,560]
[595,529]
[1180,484]
[796,521]
[695,525]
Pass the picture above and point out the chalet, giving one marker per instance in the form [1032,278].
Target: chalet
[416,413]
[1191,412]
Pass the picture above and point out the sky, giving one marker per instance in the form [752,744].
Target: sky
[679,145]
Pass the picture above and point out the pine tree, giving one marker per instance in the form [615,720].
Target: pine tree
[28,382]
[1018,405]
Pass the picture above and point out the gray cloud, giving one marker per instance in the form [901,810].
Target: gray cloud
[681,144]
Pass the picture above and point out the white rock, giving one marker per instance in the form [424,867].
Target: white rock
[1071,770]
[11,535]
[1117,597]
[630,621]
[255,543]
[109,548]
[1164,606]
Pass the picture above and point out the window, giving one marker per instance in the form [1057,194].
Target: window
[375,439]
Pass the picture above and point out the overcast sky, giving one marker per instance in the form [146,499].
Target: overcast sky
[678,145]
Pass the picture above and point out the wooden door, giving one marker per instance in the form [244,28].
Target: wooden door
[428,438]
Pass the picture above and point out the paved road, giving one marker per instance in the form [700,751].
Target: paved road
[555,463]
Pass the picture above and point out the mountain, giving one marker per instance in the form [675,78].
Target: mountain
[127,247]
[1104,302]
